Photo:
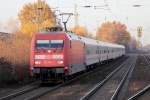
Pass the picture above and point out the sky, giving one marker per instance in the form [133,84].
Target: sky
[119,10]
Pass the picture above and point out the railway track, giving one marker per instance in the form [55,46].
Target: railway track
[125,69]
[135,84]
[20,91]
[33,92]
[39,91]
[139,80]
[147,59]
[109,88]
[77,89]
[144,94]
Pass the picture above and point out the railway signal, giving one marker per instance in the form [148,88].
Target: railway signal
[139,34]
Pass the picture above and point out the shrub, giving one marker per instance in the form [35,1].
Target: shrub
[15,52]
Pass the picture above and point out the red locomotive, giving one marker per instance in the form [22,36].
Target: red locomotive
[57,55]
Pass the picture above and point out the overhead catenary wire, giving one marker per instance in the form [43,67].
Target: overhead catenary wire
[109,9]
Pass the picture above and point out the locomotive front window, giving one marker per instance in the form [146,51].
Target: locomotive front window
[49,44]
[56,44]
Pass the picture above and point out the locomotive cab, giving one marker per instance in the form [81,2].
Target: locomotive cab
[49,52]
[47,56]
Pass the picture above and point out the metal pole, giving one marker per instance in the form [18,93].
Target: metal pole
[65,22]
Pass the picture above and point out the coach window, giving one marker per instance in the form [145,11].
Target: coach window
[84,45]
[79,37]
[70,36]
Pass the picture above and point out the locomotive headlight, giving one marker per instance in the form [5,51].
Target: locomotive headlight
[39,57]
[60,62]
[57,56]
[37,62]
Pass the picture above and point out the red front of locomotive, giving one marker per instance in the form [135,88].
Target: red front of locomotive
[49,55]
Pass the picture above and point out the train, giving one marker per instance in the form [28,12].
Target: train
[56,55]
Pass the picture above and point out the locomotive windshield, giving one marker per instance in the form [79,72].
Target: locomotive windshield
[49,44]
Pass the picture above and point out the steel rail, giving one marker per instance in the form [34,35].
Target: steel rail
[12,95]
[130,70]
[50,90]
[140,93]
[147,61]
[101,83]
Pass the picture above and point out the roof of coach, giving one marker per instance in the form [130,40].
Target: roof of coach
[73,36]
[92,41]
